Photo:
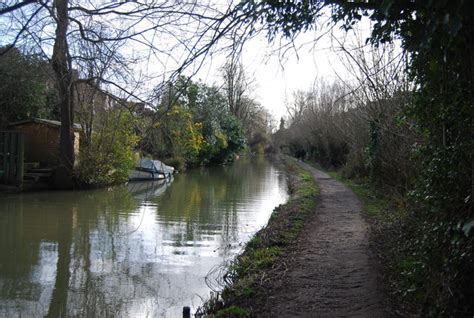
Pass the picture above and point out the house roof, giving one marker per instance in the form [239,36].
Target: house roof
[49,122]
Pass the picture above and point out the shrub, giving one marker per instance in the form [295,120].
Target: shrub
[110,157]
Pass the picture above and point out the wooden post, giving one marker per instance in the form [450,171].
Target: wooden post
[3,149]
[11,158]
[12,153]
[20,161]
[6,161]
[186,312]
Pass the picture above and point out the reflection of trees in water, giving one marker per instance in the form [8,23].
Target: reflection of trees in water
[26,227]
[209,198]
[207,194]
[102,282]
[27,223]
[102,266]
[207,201]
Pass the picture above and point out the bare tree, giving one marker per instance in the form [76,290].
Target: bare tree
[145,43]
[297,105]
[381,92]
[236,86]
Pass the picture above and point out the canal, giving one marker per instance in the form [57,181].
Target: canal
[141,250]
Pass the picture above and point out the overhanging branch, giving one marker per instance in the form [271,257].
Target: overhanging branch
[17,6]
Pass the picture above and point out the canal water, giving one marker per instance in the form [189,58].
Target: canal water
[141,250]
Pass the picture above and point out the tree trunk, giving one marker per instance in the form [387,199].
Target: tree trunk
[63,72]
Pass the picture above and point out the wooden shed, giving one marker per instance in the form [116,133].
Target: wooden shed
[42,140]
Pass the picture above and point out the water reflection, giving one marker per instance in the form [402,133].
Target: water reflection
[140,251]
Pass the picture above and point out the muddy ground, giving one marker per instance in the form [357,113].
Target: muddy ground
[330,270]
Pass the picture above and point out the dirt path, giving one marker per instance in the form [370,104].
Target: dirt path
[330,272]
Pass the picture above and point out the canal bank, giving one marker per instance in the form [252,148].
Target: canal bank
[264,261]
[312,260]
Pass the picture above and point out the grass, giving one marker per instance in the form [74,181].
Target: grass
[246,276]
[231,311]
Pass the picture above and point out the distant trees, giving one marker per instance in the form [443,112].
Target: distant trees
[25,88]
[222,131]
[259,127]
[237,87]
[214,123]
[193,126]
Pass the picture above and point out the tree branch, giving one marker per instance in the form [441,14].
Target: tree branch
[17,6]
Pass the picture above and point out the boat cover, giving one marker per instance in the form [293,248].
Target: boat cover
[155,166]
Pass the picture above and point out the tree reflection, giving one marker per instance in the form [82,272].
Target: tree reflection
[58,303]
[126,251]
[38,233]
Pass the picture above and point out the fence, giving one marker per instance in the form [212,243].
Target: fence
[11,157]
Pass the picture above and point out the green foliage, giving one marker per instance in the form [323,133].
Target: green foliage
[110,157]
[185,135]
[443,195]
[24,92]
[231,312]
[222,132]
[176,162]
[437,35]
[176,137]
[199,129]
[287,17]
[232,140]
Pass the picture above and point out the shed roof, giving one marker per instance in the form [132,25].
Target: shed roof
[49,122]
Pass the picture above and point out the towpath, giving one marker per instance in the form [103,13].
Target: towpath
[330,272]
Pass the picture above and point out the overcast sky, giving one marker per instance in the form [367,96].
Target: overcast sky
[277,78]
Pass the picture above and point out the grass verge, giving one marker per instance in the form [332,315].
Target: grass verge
[262,258]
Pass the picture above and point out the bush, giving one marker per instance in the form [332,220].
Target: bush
[110,157]
[177,162]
